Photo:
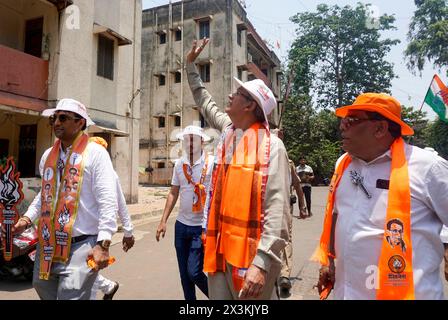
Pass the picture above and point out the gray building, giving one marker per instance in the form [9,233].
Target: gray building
[167,105]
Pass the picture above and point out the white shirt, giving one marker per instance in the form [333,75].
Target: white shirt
[307,170]
[444,234]
[186,215]
[123,212]
[98,199]
[360,224]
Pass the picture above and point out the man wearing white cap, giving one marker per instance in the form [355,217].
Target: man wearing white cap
[80,228]
[191,177]
[248,216]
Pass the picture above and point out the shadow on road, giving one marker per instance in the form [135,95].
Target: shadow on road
[15,285]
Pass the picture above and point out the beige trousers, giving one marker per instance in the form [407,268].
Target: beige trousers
[220,285]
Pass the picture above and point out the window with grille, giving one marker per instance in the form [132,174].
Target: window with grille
[177,77]
[105,63]
[204,71]
[177,121]
[204,29]
[162,38]
[178,35]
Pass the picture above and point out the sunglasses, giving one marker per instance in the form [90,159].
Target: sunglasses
[353,121]
[62,118]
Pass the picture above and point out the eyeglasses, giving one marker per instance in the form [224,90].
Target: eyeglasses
[239,93]
[62,118]
[353,121]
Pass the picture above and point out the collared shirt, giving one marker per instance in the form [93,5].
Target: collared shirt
[444,234]
[303,170]
[98,199]
[360,224]
[186,215]
[275,233]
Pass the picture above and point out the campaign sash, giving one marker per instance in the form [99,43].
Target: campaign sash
[58,215]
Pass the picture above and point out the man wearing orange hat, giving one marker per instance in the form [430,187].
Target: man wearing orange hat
[382,189]
[248,215]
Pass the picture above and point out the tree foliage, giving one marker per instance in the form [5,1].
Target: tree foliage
[436,135]
[428,35]
[335,57]
[313,135]
[337,54]
[416,119]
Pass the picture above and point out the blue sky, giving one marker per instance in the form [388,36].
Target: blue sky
[271,20]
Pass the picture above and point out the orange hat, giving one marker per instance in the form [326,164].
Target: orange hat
[381,103]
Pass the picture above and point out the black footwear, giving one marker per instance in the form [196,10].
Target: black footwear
[109,296]
[285,285]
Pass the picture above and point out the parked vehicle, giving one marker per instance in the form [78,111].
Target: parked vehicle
[23,256]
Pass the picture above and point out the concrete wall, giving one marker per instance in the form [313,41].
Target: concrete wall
[109,100]
[11,24]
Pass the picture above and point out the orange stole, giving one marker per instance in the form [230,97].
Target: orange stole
[395,264]
[236,211]
[56,221]
[199,188]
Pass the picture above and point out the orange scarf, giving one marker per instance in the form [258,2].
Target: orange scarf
[395,263]
[236,211]
[199,188]
[57,217]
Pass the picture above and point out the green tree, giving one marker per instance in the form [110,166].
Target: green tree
[338,55]
[417,120]
[437,137]
[313,135]
[428,35]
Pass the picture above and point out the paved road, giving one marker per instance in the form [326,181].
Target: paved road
[149,270]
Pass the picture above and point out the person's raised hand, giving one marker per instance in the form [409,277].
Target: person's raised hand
[196,50]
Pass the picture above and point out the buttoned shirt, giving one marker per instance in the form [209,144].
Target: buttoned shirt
[186,190]
[360,224]
[98,198]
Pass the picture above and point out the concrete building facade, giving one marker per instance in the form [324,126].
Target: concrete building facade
[167,105]
[88,50]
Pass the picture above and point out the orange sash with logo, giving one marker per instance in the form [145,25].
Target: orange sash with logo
[236,213]
[395,262]
[199,188]
[57,217]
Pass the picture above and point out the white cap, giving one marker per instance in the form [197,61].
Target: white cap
[70,105]
[261,93]
[193,130]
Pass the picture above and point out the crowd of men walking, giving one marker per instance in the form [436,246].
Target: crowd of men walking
[386,206]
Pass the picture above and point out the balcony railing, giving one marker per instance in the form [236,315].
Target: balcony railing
[23,80]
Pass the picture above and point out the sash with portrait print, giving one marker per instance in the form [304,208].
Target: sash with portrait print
[396,277]
[58,215]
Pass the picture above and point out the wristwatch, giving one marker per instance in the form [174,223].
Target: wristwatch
[105,244]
